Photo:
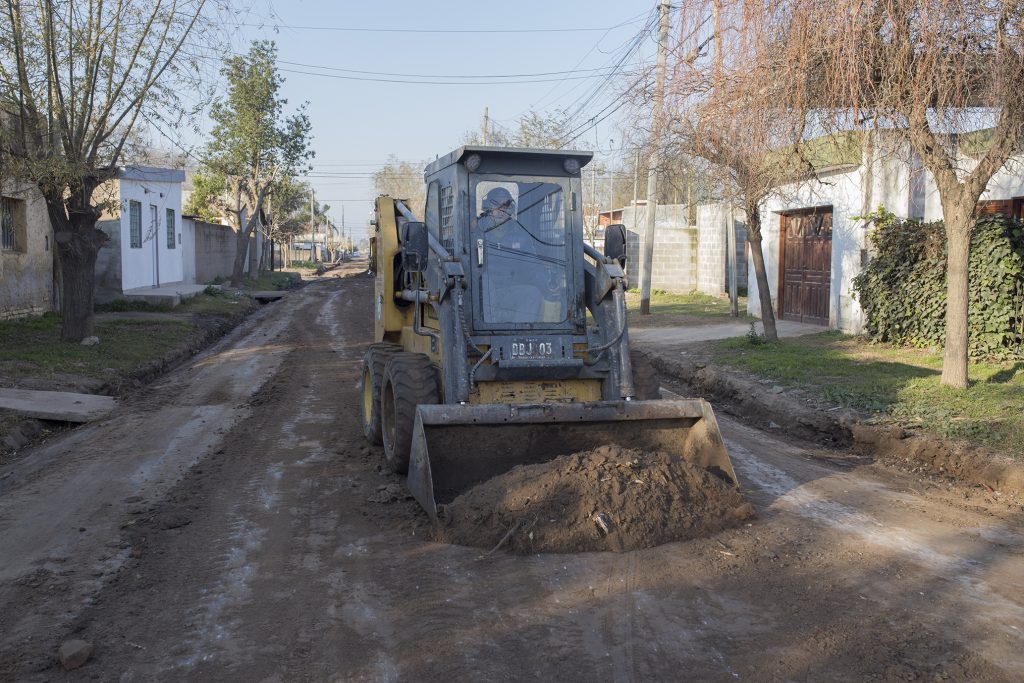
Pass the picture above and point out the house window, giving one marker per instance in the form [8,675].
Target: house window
[12,224]
[135,224]
[170,229]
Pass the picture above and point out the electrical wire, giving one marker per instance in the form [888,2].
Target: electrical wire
[436,82]
[448,76]
[365,29]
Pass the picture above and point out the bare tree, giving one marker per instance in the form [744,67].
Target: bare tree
[76,78]
[402,180]
[927,72]
[721,103]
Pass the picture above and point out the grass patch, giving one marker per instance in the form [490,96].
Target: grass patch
[899,383]
[268,281]
[214,301]
[668,308]
[32,347]
[130,305]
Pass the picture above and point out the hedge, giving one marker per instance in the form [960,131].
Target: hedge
[902,289]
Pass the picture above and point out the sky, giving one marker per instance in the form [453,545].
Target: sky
[358,124]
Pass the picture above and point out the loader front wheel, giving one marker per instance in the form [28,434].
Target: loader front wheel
[374,360]
[646,384]
[410,379]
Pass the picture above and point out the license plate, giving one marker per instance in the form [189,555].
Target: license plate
[531,348]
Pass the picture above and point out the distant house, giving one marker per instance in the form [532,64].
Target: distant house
[814,245]
[145,248]
[26,257]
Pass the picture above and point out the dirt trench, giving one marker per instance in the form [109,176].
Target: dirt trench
[265,556]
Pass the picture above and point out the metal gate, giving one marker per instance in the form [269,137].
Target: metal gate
[805,265]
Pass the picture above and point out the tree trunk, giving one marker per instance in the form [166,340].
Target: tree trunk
[244,233]
[764,294]
[77,242]
[959,225]
[241,252]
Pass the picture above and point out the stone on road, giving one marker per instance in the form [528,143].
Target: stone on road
[74,653]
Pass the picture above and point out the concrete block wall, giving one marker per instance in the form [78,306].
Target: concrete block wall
[214,250]
[712,262]
[687,257]
[675,258]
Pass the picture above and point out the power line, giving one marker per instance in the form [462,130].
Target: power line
[366,29]
[436,82]
[596,45]
[449,76]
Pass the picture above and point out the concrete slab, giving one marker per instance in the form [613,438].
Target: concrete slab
[56,405]
[171,294]
[698,333]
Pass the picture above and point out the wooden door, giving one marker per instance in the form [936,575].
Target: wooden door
[805,266]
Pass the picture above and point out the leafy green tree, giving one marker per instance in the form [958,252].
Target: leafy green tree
[76,81]
[253,144]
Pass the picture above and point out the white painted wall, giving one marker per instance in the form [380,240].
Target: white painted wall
[139,266]
[844,190]
[1007,183]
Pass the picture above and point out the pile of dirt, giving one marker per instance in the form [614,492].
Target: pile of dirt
[609,498]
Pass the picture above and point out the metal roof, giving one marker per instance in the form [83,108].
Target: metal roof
[461,153]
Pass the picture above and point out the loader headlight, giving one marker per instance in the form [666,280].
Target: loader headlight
[473,162]
[571,166]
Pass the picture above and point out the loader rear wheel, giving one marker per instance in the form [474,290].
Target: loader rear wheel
[646,384]
[374,360]
[410,379]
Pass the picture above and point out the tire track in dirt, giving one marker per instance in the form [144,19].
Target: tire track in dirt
[343,588]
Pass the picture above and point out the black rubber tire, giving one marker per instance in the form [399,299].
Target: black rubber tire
[374,361]
[646,383]
[410,379]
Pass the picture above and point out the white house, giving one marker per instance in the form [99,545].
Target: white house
[145,248]
[814,246]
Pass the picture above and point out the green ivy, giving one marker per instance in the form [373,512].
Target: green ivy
[902,290]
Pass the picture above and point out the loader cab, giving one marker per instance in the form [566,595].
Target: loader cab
[513,217]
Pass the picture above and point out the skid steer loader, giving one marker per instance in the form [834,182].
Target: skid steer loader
[485,356]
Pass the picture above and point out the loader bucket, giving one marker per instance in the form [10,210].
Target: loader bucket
[455,447]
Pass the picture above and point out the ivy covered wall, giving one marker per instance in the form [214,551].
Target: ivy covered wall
[902,289]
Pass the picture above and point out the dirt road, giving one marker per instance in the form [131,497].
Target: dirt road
[223,526]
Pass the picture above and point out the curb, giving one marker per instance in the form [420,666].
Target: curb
[751,400]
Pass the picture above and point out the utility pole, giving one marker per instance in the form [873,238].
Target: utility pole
[636,181]
[730,241]
[593,200]
[312,229]
[652,170]
[486,121]
[611,178]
